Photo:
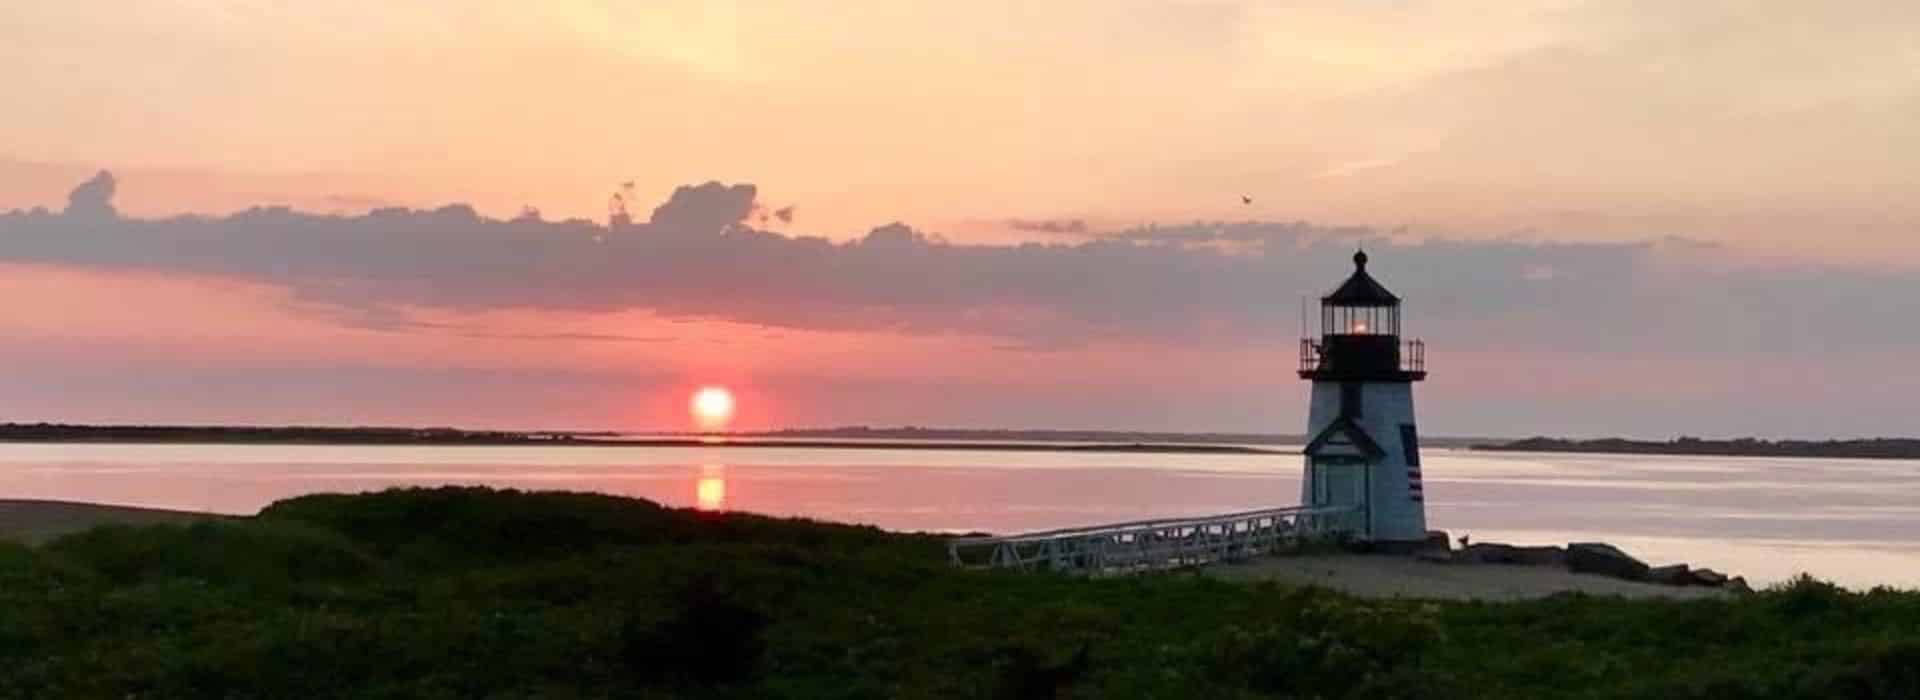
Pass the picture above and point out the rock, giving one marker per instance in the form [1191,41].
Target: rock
[1488,553]
[1436,548]
[1708,577]
[1393,546]
[1737,584]
[1673,575]
[1497,553]
[1605,559]
[1540,556]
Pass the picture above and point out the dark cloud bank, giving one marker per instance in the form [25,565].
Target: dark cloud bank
[697,256]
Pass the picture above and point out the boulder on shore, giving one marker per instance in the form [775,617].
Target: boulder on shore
[1673,575]
[1737,584]
[1498,553]
[1709,577]
[1488,553]
[1605,559]
[1540,556]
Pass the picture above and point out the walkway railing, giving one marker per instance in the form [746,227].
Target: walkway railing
[1146,545]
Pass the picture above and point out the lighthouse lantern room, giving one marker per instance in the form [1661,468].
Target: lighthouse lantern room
[1363,452]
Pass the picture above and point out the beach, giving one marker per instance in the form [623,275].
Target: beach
[1398,576]
[35,521]
[1364,575]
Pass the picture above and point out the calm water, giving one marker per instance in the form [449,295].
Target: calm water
[1852,521]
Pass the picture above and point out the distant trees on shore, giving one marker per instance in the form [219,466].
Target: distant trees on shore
[61,432]
[1866,448]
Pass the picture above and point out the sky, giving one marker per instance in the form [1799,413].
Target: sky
[1633,218]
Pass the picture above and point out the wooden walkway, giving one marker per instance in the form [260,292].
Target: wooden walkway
[1147,545]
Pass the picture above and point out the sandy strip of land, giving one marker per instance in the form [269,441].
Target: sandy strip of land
[1370,575]
[1396,576]
[34,522]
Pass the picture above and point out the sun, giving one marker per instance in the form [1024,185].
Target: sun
[712,407]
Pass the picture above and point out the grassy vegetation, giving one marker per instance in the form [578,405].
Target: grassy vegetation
[479,593]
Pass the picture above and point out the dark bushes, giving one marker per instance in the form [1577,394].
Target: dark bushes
[480,593]
[709,639]
[1317,644]
[471,526]
[228,552]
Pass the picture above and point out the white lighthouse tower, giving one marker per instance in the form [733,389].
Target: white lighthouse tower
[1363,452]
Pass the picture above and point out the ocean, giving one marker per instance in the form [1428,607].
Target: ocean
[1855,522]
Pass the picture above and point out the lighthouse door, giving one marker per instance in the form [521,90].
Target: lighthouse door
[1341,482]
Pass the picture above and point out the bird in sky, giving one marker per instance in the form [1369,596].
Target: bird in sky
[1244,199]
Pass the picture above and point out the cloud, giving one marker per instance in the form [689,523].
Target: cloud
[1074,226]
[392,320]
[1219,284]
[93,198]
[704,209]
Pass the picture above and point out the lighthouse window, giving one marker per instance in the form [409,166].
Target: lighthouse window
[1360,320]
[1410,444]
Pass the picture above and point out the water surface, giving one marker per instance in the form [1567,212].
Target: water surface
[1852,521]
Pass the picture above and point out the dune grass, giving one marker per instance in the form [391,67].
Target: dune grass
[460,592]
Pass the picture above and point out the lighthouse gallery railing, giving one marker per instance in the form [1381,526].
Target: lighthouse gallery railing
[1147,545]
[1413,355]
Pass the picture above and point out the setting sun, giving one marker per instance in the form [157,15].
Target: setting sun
[712,407]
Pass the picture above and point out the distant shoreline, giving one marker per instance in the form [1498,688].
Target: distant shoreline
[1874,448]
[914,438]
[219,435]
[855,444]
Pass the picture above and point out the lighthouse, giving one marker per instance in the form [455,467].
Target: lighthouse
[1363,451]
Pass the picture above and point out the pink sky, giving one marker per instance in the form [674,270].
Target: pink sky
[1608,217]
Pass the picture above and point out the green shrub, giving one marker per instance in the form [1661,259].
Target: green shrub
[468,526]
[1313,643]
[1806,595]
[16,560]
[1878,668]
[711,638]
[461,592]
[218,551]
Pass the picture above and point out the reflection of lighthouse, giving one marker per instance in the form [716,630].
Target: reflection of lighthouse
[710,492]
[1363,452]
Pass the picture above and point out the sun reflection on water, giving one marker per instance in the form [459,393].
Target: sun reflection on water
[710,491]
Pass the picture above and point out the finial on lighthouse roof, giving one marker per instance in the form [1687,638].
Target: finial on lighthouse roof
[1360,289]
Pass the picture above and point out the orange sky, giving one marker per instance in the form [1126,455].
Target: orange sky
[1493,139]
[1755,122]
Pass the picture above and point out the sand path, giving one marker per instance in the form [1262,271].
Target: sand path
[34,522]
[1394,576]
[1370,575]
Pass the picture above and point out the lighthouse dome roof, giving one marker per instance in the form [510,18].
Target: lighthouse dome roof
[1360,289]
